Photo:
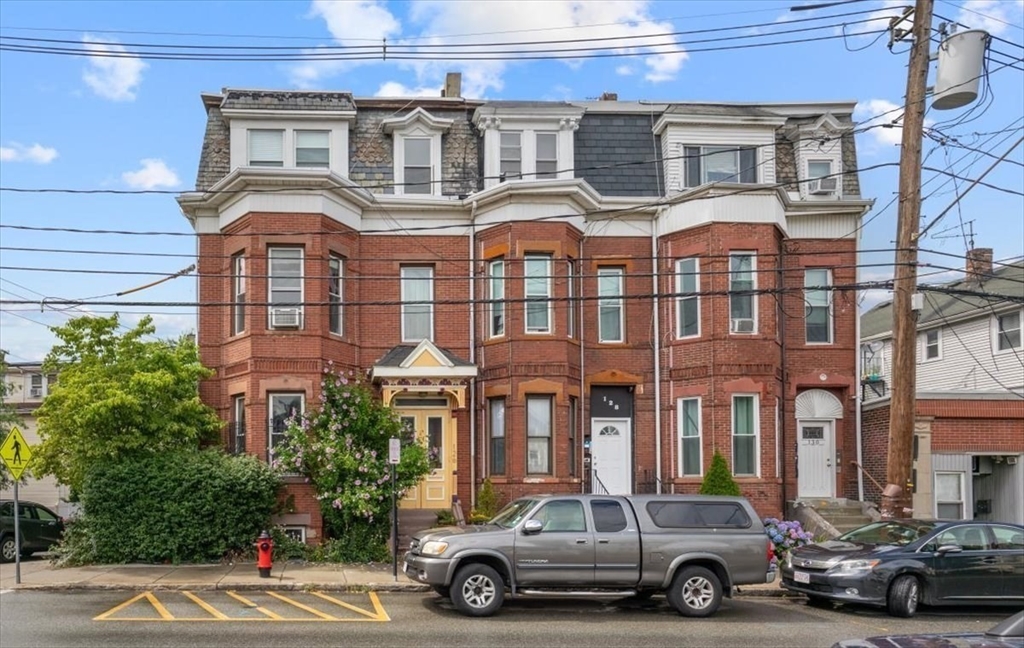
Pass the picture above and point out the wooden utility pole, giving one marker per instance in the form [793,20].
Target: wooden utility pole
[904,338]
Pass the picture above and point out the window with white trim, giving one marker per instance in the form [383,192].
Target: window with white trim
[538,435]
[690,450]
[496,295]
[335,269]
[932,342]
[511,160]
[702,164]
[238,293]
[573,431]
[312,149]
[688,299]
[819,169]
[949,495]
[570,304]
[547,155]
[285,287]
[496,423]
[818,306]
[742,301]
[417,318]
[744,435]
[609,292]
[236,440]
[266,148]
[1008,331]
[537,289]
[284,408]
[417,166]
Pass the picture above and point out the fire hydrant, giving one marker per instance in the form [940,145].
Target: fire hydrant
[264,551]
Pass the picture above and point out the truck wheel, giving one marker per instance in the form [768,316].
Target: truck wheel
[7,549]
[903,597]
[695,592]
[477,590]
[443,590]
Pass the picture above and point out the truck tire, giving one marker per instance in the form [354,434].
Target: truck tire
[477,590]
[7,549]
[904,594]
[695,592]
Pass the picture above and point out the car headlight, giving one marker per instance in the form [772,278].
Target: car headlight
[434,548]
[849,566]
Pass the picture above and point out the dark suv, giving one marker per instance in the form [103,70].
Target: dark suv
[40,528]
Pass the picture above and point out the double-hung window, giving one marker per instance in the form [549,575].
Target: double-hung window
[496,419]
[690,461]
[703,164]
[285,287]
[238,294]
[284,408]
[417,303]
[1008,331]
[570,303]
[574,421]
[266,148]
[417,166]
[538,435]
[511,159]
[538,292]
[236,441]
[609,291]
[312,149]
[818,306]
[335,269]
[742,302]
[688,299]
[949,495]
[744,435]
[496,295]
[547,155]
[932,344]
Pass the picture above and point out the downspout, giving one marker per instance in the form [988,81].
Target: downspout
[472,355]
[858,393]
[785,372]
[583,393]
[657,347]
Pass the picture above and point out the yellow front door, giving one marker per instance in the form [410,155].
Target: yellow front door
[432,427]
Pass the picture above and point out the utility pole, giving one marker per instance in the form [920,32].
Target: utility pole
[904,340]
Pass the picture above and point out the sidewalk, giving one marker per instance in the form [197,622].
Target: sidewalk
[39,574]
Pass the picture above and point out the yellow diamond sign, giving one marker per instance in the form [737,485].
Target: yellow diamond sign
[15,452]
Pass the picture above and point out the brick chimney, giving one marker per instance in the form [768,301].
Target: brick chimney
[979,264]
[609,96]
[452,85]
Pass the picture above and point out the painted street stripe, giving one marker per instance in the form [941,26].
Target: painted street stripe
[313,611]
[217,614]
[377,615]
[246,602]
[160,609]
[146,606]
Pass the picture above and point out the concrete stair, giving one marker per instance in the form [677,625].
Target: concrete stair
[843,515]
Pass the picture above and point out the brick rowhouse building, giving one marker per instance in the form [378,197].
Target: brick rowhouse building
[559,296]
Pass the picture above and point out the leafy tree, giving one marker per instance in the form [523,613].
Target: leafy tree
[8,419]
[119,396]
[342,447]
[719,480]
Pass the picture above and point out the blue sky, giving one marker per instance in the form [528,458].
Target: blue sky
[79,122]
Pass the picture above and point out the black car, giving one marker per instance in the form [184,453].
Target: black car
[39,527]
[1008,633]
[898,564]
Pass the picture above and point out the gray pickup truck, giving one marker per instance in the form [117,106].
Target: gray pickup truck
[693,548]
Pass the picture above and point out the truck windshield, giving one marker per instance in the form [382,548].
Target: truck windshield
[513,512]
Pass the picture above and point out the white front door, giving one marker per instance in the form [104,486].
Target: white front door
[816,459]
[610,452]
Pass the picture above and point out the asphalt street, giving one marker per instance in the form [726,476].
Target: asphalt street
[110,618]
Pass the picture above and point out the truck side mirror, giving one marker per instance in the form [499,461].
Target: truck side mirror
[532,527]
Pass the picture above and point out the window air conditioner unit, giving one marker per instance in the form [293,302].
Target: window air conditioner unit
[285,318]
[743,325]
[822,186]
[36,392]
[1012,460]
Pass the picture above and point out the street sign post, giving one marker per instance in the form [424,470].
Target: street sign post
[394,456]
[15,453]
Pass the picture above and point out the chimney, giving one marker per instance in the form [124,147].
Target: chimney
[609,96]
[979,264]
[452,85]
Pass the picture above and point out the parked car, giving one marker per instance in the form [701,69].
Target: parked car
[39,527]
[898,564]
[696,549]
[1008,633]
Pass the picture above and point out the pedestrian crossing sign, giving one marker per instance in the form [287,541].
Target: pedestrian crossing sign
[15,452]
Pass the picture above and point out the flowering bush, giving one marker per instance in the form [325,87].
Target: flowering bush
[341,446]
[785,535]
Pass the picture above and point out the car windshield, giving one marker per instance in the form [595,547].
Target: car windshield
[513,513]
[894,532]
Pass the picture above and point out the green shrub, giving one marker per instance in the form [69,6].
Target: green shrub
[718,480]
[445,517]
[360,543]
[175,507]
[486,501]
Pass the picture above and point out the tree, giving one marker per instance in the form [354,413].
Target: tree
[118,396]
[8,418]
[719,480]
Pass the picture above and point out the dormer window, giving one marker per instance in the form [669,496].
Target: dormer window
[417,150]
[417,168]
[266,148]
[547,155]
[511,156]
[527,143]
[313,149]
[704,164]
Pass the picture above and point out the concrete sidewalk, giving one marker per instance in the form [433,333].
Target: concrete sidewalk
[39,573]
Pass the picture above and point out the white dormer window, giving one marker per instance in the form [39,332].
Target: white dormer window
[704,164]
[511,156]
[313,149]
[266,148]
[547,155]
[417,150]
[527,144]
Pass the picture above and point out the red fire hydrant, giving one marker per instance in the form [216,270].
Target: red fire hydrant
[264,552]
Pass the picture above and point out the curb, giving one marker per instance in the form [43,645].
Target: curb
[235,587]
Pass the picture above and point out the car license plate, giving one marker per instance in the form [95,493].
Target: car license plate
[801,577]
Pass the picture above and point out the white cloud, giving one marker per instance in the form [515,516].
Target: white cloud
[396,89]
[37,153]
[154,173]
[624,70]
[876,112]
[990,15]
[112,77]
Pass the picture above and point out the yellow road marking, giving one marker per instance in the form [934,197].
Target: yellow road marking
[217,614]
[377,615]
[303,607]
[118,608]
[248,603]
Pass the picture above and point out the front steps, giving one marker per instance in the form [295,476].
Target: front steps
[830,518]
